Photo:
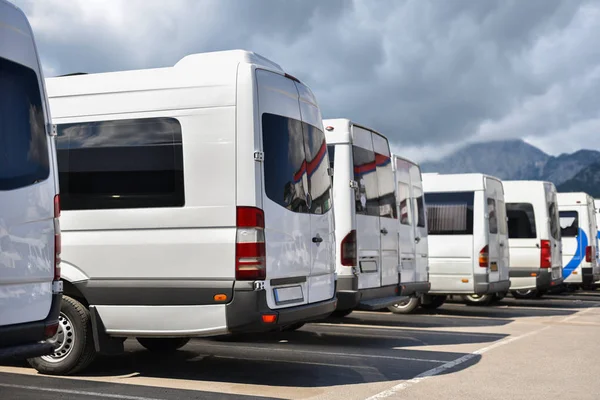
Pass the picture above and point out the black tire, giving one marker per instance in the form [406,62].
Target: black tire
[524,294]
[476,300]
[436,302]
[293,327]
[341,313]
[75,342]
[499,296]
[163,345]
[405,307]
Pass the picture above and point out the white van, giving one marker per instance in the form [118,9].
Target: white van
[30,289]
[534,237]
[468,238]
[365,217]
[579,237]
[414,261]
[197,202]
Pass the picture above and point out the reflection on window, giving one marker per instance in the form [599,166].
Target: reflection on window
[135,163]
[385,185]
[553,215]
[569,223]
[521,221]
[492,216]
[365,173]
[449,213]
[420,207]
[317,163]
[23,141]
[404,202]
[502,227]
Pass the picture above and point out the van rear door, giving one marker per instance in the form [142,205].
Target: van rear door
[367,209]
[593,241]
[493,191]
[406,231]
[420,225]
[553,224]
[388,218]
[285,195]
[322,274]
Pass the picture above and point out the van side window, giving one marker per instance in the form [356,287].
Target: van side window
[365,173]
[404,202]
[492,215]
[317,163]
[521,221]
[286,181]
[385,184]
[569,223]
[135,163]
[420,207]
[23,139]
[450,213]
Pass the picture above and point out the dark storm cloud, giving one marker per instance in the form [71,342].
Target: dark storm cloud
[426,73]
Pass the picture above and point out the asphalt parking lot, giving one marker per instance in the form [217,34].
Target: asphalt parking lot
[519,349]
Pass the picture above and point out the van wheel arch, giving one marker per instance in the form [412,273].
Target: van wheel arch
[69,289]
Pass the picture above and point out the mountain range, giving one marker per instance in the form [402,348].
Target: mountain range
[518,160]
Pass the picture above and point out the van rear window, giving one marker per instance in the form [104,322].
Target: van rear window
[450,213]
[569,223]
[135,163]
[295,166]
[521,221]
[24,156]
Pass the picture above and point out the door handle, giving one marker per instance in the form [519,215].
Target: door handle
[317,239]
[501,244]
[384,231]
[417,239]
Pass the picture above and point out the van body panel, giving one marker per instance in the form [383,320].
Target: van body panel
[28,186]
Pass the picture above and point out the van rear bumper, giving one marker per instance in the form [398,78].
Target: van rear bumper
[482,288]
[415,288]
[28,340]
[244,313]
[533,278]
[350,296]
[588,277]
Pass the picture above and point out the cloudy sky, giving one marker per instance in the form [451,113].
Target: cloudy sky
[431,75]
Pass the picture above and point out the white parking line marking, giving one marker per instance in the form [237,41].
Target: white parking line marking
[262,349]
[461,360]
[76,392]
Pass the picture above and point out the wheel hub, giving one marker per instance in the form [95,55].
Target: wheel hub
[64,340]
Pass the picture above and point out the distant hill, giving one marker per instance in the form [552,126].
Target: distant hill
[515,159]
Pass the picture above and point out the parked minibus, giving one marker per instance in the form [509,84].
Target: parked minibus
[414,261]
[534,237]
[197,202]
[579,239]
[30,287]
[366,220]
[468,238]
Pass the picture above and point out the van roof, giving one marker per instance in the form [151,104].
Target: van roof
[337,130]
[434,182]
[570,199]
[204,69]
[17,43]
[526,191]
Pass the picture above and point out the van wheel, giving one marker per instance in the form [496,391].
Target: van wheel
[524,293]
[341,313]
[477,300]
[499,296]
[163,345]
[405,306]
[74,342]
[293,327]
[435,302]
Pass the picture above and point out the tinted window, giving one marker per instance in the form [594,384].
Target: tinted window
[133,163]
[552,214]
[286,181]
[492,216]
[385,184]
[420,207]
[521,221]
[365,173]
[404,202]
[317,163]
[23,140]
[450,213]
[569,223]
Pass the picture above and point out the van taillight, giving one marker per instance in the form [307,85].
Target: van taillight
[57,238]
[250,250]
[588,254]
[546,254]
[348,249]
[484,257]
